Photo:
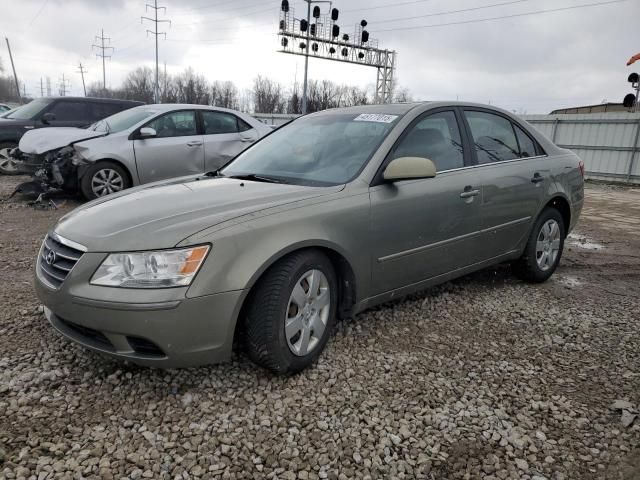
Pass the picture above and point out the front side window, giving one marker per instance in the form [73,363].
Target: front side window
[175,124]
[30,110]
[494,138]
[219,122]
[326,149]
[436,137]
[70,111]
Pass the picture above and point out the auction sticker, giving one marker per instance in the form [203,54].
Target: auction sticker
[375,117]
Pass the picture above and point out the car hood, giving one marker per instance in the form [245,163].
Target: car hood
[13,123]
[161,215]
[46,139]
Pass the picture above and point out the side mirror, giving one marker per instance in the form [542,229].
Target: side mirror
[147,132]
[48,117]
[407,168]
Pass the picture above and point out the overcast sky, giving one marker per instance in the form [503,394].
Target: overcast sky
[532,63]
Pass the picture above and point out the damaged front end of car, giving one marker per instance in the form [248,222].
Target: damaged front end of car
[53,172]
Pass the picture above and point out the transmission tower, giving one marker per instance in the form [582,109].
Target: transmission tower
[156,33]
[48,86]
[102,47]
[63,86]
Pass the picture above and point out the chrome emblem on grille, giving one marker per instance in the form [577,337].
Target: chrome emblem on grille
[50,258]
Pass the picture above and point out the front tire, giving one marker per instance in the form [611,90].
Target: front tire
[544,248]
[8,166]
[291,313]
[103,178]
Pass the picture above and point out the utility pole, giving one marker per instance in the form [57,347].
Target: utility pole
[41,88]
[306,54]
[102,49]
[82,71]
[155,32]
[48,86]
[63,86]
[13,67]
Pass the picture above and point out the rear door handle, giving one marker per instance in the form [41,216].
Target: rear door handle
[537,178]
[469,192]
[194,144]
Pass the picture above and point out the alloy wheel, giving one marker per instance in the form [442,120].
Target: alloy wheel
[307,312]
[548,245]
[7,164]
[106,181]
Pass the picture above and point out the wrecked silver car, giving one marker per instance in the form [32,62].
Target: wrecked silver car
[137,146]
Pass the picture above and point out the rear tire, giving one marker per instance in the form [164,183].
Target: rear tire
[291,313]
[8,166]
[544,248]
[103,178]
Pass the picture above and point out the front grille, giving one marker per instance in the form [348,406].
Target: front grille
[56,261]
[88,334]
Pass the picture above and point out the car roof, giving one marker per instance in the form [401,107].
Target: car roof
[166,107]
[96,99]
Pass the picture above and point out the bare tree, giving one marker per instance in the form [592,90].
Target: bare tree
[192,88]
[224,94]
[268,96]
[139,85]
[402,95]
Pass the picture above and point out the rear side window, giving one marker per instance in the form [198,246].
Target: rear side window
[527,146]
[219,122]
[436,137]
[493,136]
[70,111]
[243,126]
[102,110]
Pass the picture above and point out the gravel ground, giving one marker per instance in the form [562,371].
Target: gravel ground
[484,377]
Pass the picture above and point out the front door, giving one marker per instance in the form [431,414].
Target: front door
[513,175]
[425,228]
[175,151]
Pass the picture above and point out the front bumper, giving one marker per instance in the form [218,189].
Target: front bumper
[158,328]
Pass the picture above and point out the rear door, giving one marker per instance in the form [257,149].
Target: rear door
[225,136]
[176,150]
[425,228]
[514,176]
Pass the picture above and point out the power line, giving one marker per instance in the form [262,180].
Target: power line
[102,49]
[515,15]
[155,32]
[512,2]
[183,13]
[232,17]
[393,4]
[44,4]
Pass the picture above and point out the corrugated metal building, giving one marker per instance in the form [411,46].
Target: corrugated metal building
[607,142]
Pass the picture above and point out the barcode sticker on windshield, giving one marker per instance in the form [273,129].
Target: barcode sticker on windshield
[375,117]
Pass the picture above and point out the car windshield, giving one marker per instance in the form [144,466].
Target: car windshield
[123,120]
[30,110]
[327,149]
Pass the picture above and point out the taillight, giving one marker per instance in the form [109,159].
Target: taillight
[581,167]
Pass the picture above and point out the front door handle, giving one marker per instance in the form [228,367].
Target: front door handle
[537,178]
[469,192]
[194,144]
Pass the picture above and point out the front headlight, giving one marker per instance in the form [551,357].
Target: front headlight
[161,269]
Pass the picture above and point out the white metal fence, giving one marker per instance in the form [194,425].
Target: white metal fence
[607,142]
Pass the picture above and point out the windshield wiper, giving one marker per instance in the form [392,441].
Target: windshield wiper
[256,178]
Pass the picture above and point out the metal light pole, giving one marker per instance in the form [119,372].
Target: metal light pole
[306,56]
